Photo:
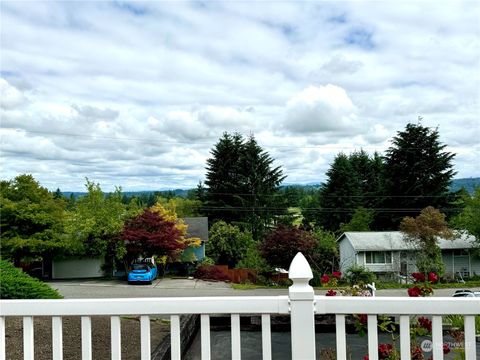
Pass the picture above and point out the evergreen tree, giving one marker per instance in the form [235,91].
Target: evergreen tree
[240,183]
[340,195]
[418,174]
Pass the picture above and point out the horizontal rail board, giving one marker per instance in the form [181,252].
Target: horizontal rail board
[396,305]
[147,306]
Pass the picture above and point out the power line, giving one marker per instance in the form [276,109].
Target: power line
[180,142]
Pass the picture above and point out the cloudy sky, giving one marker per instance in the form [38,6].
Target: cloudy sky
[136,93]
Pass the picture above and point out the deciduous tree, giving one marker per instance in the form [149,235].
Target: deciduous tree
[423,231]
[32,220]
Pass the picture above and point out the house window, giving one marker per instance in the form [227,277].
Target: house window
[378,257]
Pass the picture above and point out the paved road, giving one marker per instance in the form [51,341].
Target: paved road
[181,288]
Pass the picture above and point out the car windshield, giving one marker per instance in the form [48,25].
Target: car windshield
[139,267]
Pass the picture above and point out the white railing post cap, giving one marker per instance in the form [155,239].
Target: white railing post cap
[300,269]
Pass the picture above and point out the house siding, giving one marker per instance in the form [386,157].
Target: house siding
[347,255]
[77,268]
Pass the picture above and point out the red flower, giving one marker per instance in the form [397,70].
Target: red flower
[419,277]
[425,323]
[363,318]
[325,279]
[331,293]
[433,278]
[417,353]
[384,350]
[337,275]
[365,357]
[446,348]
[414,291]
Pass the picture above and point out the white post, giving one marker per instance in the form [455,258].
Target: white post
[302,309]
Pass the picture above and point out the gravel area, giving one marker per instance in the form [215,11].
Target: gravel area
[130,328]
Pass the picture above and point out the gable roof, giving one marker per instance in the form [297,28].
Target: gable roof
[197,227]
[394,240]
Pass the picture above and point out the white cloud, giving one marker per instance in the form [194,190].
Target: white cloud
[136,94]
[10,96]
[320,109]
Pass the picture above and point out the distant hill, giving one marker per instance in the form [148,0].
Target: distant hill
[468,183]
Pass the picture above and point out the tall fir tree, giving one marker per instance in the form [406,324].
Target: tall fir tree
[240,182]
[418,174]
[353,181]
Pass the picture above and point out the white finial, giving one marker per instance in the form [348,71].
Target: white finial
[300,269]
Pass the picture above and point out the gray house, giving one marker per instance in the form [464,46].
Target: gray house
[388,255]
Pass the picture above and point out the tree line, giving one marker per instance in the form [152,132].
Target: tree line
[245,203]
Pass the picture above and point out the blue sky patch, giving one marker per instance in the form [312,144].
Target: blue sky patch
[133,9]
[360,37]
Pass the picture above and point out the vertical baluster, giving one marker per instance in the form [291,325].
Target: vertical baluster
[405,337]
[115,332]
[470,341]
[205,336]
[86,338]
[372,337]
[57,338]
[341,339]
[2,338]
[145,337]
[28,350]
[437,337]
[235,332]
[266,337]
[176,349]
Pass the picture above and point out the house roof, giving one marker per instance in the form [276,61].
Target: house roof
[394,240]
[197,227]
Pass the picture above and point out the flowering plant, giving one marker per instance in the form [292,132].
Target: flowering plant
[422,284]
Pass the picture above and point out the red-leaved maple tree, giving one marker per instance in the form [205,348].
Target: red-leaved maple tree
[151,234]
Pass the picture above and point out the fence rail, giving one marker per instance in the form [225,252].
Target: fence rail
[301,304]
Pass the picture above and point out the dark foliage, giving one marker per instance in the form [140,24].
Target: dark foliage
[282,244]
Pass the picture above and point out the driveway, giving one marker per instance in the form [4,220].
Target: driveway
[181,288]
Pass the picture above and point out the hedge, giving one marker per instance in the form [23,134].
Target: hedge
[15,284]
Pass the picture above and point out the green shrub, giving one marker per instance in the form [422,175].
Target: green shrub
[359,275]
[15,284]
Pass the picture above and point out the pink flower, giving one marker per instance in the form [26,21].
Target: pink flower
[414,291]
[433,278]
[331,293]
[325,279]
[337,275]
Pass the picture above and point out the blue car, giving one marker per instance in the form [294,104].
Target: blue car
[142,272]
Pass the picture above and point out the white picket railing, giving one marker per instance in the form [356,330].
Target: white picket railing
[301,304]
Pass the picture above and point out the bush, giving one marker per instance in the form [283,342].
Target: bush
[210,272]
[282,244]
[359,275]
[15,284]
